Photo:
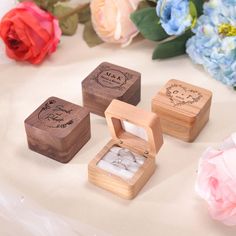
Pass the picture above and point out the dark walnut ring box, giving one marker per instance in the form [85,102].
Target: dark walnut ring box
[108,82]
[58,129]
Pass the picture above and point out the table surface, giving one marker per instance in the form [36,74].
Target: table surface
[168,204]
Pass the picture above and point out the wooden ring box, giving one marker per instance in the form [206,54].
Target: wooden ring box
[116,114]
[58,129]
[108,82]
[183,109]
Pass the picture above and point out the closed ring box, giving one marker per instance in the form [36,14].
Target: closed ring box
[183,108]
[117,114]
[108,82]
[58,129]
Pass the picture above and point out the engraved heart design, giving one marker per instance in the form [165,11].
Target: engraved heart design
[180,95]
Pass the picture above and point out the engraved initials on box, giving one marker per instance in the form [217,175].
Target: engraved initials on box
[55,115]
[58,129]
[108,82]
[111,79]
[183,108]
[180,95]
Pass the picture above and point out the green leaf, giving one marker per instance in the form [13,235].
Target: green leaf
[193,10]
[148,23]
[67,24]
[199,6]
[90,36]
[235,88]
[193,13]
[84,15]
[172,48]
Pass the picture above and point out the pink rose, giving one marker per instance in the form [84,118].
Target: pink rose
[216,181]
[111,20]
[29,33]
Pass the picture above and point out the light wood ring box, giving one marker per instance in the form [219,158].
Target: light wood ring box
[116,113]
[183,109]
[58,129]
[108,82]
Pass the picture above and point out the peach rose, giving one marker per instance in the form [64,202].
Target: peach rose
[111,20]
[216,181]
[29,33]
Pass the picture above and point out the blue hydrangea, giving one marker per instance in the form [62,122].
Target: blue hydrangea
[174,16]
[214,43]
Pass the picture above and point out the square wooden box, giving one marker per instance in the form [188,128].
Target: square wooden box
[58,129]
[117,113]
[108,82]
[183,109]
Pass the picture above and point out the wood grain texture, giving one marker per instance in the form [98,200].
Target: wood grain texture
[183,108]
[58,129]
[117,111]
[108,82]
[126,189]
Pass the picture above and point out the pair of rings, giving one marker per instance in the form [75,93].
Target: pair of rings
[121,154]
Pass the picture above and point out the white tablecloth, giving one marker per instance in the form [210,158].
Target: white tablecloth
[167,205]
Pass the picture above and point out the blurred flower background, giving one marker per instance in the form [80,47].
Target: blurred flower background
[5,7]
[216,181]
[214,43]
[205,30]
[175,16]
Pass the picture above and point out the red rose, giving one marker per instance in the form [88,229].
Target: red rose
[29,33]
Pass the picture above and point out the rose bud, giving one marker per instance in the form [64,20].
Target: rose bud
[111,20]
[29,33]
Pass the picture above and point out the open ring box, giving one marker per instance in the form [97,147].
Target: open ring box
[138,134]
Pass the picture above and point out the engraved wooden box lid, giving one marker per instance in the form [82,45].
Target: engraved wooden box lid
[134,127]
[108,82]
[183,109]
[185,101]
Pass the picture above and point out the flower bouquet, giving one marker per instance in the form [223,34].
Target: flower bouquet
[205,31]
[169,23]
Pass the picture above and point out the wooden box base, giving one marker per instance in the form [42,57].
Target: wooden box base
[58,150]
[184,131]
[126,189]
[97,104]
